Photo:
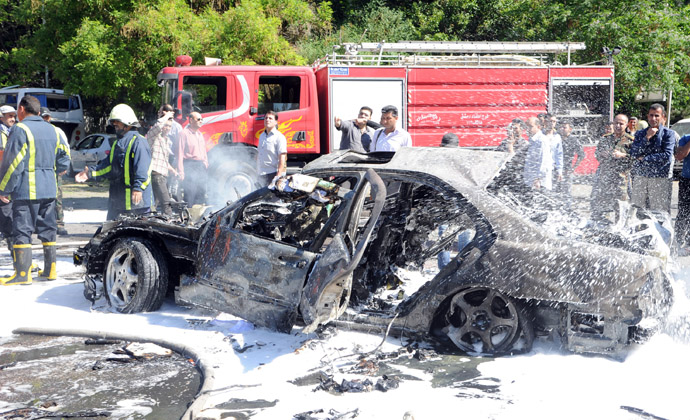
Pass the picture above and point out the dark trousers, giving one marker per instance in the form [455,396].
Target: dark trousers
[159,183]
[58,204]
[117,203]
[564,189]
[34,216]
[682,225]
[6,219]
[194,183]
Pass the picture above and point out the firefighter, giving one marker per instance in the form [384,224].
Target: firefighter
[8,117]
[35,150]
[128,166]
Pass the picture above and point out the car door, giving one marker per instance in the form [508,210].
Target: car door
[328,287]
[253,261]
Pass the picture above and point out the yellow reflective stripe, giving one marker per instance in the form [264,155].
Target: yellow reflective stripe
[22,245]
[48,243]
[107,168]
[17,160]
[128,198]
[32,160]
[3,136]
[128,181]
[146,183]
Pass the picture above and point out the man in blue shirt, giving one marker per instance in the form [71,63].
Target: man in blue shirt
[682,225]
[652,157]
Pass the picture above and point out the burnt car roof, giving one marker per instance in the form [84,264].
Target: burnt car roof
[463,168]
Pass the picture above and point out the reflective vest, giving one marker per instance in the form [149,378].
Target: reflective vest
[128,174]
[30,148]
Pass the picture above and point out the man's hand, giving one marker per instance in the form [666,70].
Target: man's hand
[337,121]
[537,184]
[617,154]
[651,132]
[4,199]
[83,175]
[137,196]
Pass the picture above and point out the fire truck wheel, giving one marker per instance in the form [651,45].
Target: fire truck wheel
[231,181]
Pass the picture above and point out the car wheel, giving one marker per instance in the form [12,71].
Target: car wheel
[481,320]
[136,276]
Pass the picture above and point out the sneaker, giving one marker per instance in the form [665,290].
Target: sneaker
[62,231]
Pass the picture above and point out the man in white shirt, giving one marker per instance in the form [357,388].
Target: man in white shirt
[272,158]
[389,138]
[545,153]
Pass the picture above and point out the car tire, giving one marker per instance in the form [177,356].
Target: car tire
[481,320]
[136,276]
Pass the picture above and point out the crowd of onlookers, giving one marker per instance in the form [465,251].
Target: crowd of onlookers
[635,163]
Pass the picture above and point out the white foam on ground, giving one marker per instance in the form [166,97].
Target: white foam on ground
[543,384]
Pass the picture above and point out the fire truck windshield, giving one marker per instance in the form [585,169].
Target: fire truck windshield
[169,91]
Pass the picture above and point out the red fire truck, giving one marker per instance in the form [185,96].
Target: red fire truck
[474,89]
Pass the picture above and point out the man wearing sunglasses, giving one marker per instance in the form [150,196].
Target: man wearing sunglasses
[192,164]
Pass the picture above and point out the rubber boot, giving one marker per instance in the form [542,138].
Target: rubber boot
[22,266]
[49,271]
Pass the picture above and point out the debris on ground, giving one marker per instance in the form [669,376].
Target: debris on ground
[100,342]
[386,383]
[146,350]
[34,413]
[332,414]
[426,354]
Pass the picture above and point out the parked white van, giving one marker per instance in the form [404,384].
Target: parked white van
[66,110]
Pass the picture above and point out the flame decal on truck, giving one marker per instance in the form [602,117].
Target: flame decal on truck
[286,127]
[241,110]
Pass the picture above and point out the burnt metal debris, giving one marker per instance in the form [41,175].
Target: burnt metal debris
[338,234]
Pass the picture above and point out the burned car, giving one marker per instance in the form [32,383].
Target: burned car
[278,257]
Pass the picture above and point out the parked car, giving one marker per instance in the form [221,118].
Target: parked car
[681,127]
[300,251]
[90,150]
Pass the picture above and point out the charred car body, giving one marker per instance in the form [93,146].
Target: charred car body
[278,255]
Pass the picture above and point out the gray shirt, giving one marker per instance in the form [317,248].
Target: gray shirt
[353,138]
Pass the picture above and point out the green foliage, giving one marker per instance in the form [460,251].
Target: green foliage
[111,50]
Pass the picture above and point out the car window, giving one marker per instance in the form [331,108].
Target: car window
[85,144]
[681,128]
[420,220]
[97,142]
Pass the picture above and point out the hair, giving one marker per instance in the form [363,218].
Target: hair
[566,121]
[658,107]
[166,108]
[548,115]
[271,113]
[631,118]
[450,140]
[31,104]
[390,108]
[371,111]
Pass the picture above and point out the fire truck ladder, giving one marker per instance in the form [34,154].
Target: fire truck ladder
[442,53]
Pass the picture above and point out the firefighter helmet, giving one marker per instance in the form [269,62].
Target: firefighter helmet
[124,114]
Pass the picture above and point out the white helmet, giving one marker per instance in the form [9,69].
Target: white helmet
[124,114]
